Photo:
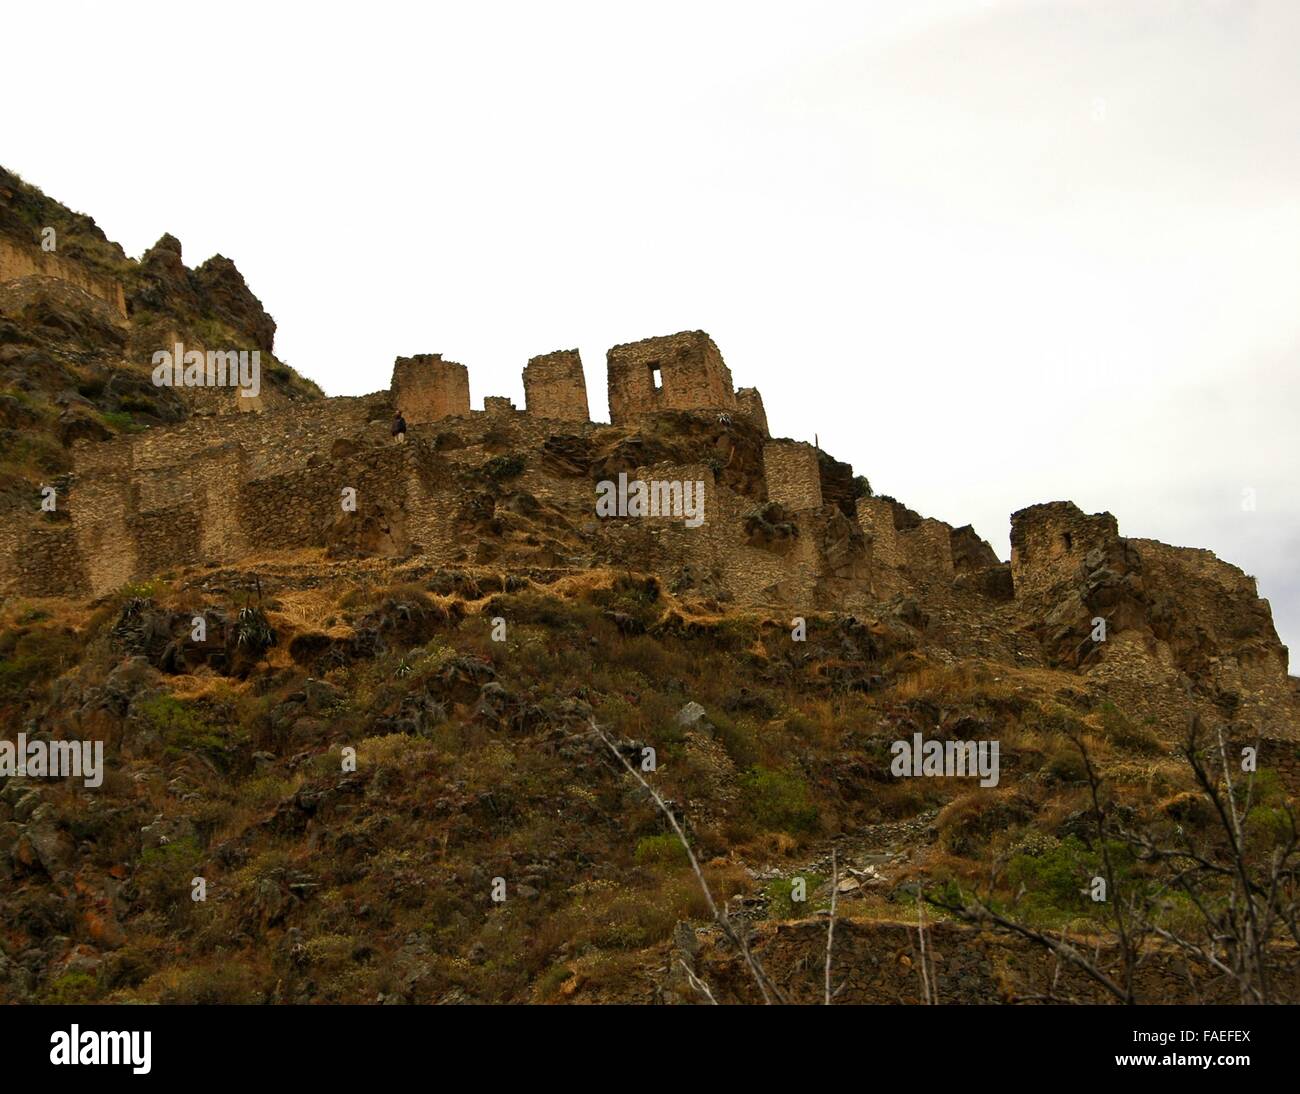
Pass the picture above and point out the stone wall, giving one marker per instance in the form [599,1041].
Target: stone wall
[104,540]
[793,475]
[1050,541]
[555,387]
[275,441]
[203,401]
[876,519]
[1197,565]
[46,561]
[210,491]
[913,552]
[876,962]
[718,560]
[204,490]
[18,260]
[207,490]
[426,388]
[1224,602]
[750,403]
[683,371]
[927,551]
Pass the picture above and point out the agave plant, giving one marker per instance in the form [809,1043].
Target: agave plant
[253,631]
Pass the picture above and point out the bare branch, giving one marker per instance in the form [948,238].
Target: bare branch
[766,987]
[830,927]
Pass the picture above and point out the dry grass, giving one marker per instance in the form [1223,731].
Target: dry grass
[306,609]
[962,683]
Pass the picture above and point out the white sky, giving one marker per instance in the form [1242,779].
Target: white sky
[992,253]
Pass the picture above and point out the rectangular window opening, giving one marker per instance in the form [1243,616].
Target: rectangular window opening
[656,377]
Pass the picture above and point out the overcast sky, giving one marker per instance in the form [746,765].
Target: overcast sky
[991,253]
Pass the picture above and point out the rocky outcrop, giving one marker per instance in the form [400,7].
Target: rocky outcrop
[215,289]
[1092,596]
[226,295]
[166,283]
[969,552]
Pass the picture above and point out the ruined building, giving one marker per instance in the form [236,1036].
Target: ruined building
[681,372]
[785,527]
[554,386]
[426,388]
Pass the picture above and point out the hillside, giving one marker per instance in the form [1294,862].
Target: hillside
[404,748]
[79,322]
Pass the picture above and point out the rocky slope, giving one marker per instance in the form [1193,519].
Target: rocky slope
[73,364]
[389,781]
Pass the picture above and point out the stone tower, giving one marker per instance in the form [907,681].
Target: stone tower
[425,388]
[682,371]
[554,386]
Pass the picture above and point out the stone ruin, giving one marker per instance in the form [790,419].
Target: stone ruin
[554,386]
[780,530]
[681,372]
[426,388]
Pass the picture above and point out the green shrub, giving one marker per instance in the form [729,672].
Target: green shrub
[968,822]
[121,421]
[31,660]
[75,986]
[225,983]
[139,404]
[780,897]
[1056,881]
[1064,762]
[165,875]
[664,850]
[139,590]
[778,800]
[181,727]
[738,736]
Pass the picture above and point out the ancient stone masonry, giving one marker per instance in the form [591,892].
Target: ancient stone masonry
[1175,618]
[554,386]
[811,559]
[783,524]
[876,516]
[928,550]
[426,388]
[682,371]
[1049,543]
[750,403]
[793,476]
[206,490]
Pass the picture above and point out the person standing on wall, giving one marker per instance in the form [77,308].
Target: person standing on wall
[399,428]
